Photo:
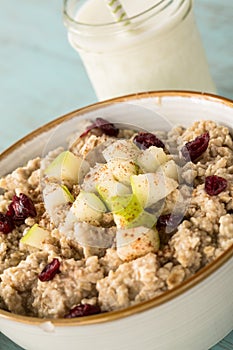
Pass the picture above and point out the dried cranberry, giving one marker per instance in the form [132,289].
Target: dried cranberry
[88,129]
[18,210]
[23,208]
[105,126]
[10,210]
[50,271]
[145,140]
[168,220]
[166,226]
[11,214]
[6,223]
[215,184]
[194,149]
[83,310]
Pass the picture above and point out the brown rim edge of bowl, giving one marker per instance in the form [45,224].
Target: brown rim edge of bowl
[164,297]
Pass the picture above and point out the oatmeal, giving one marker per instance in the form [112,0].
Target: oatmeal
[115,219]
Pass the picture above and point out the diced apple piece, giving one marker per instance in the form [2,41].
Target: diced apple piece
[122,170]
[118,202]
[87,235]
[144,218]
[93,177]
[69,197]
[88,207]
[93,237]
[135,242]
[150,159]
[55,196]
[131,213]
[68,168]
[35,236]
[170,169]
[67,226]
[121,149]
[112,188]
[152,187]
[95,156]
[100,180]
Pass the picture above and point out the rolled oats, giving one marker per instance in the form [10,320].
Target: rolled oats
[98,276]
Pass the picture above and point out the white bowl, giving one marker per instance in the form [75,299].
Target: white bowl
[194,315]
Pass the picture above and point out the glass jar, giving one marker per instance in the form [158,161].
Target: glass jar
[157,48]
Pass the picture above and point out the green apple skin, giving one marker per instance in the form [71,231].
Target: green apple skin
[69,196]
[35,236]
[117,203]
[67,168]
[129,213]
[112,189]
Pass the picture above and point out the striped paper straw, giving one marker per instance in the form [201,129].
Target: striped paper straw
[117,11]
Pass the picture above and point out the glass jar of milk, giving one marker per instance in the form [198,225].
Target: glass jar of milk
[158,47]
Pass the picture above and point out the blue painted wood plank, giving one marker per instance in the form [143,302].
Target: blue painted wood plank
[225,344]
[214,19]
[6,344]
[41,76]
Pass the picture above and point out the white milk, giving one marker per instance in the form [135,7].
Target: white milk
[159,49]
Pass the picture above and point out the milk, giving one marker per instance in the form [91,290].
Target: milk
[160,48]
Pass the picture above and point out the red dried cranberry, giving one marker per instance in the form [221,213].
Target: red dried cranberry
[11,214]
[83,310]
[105,126]
[88,129]
[6,223]
[168,220]
[215,184]
[50,271]
[10,210]
[166,226]
[23,207]
[145,140]
[18,210]
[194,149]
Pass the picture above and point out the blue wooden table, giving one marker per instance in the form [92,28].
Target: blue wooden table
[41,77]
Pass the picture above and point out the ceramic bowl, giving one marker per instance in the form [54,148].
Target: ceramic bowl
[194,315]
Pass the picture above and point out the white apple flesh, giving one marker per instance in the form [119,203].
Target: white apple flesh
[35,236]
[150,159]
[67,168]
[93,237]
[135,242]
[152,187]
[121,149]
[101,180]
[55,196]
[170,169]
[88,208]
[122,169]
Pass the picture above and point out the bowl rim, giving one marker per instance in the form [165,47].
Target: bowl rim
[165,296]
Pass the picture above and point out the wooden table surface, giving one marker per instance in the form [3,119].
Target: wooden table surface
[41,77]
